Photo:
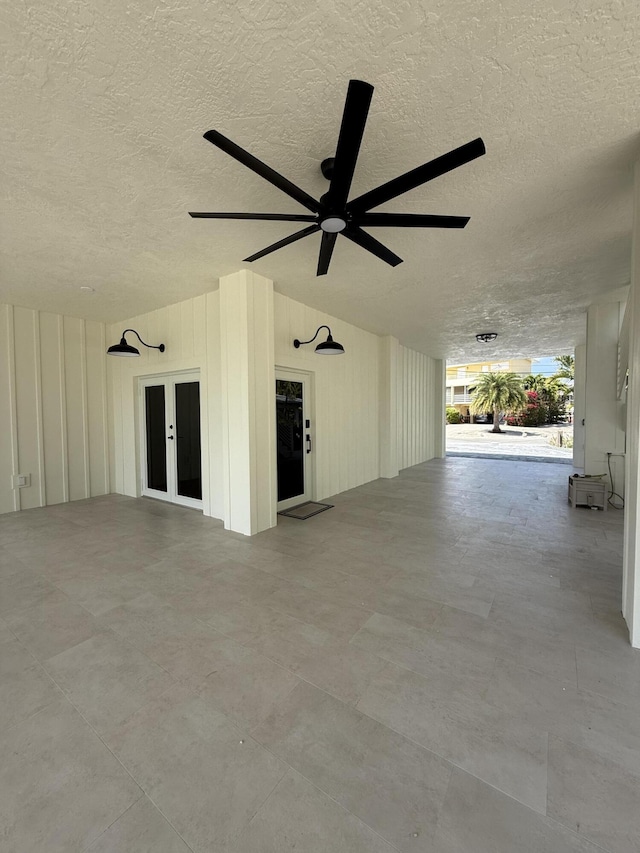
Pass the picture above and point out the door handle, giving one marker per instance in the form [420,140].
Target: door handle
[169,438]
[308,444]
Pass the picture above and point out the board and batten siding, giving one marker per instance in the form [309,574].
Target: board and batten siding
[417,407]
[346,391]
[53,419]
[190,331]
[345,387]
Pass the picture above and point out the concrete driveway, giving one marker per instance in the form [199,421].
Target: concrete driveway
[530,442]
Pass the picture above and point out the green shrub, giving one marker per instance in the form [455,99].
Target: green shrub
[453,415]
[556,411]
[533,414]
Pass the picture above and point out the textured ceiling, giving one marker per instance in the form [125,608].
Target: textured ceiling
[105,105]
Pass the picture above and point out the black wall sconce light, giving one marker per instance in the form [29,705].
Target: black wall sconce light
[125,349]
[485,337]
[328,347]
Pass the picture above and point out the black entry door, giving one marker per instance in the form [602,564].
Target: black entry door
[188,451]
[291,439]
[156,428]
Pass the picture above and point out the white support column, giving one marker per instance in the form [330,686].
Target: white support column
[437,411]
[631,559]
[603,432]
[248,402]
[388,407]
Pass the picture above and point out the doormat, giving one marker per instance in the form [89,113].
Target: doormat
[305,510]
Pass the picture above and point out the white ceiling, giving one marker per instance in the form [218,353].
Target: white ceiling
[105,104]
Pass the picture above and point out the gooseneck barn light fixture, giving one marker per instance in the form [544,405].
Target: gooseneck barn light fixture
[125,349]
[485,337]
[328,347]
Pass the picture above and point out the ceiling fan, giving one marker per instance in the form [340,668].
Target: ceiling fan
[333,214]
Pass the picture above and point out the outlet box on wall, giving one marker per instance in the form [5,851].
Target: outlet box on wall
[21,480]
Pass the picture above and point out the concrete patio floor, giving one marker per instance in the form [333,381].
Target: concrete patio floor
[436,664]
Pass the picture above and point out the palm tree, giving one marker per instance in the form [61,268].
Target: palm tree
[565,376]
[534,382]
[566,367]
[497,392]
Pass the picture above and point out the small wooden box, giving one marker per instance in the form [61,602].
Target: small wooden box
[587,491]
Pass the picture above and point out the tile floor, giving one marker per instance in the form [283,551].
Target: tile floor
[437,664]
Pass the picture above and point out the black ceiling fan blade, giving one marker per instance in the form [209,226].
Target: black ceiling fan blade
[262,169]
[326,250]
[411,220]
[416,177]
[354,118]
[281,243]
[357,235]
[275,217]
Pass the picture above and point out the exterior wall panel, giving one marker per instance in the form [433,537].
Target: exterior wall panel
[54,418]
[27,408]
[190,331]
[53,379]
[71,415]
[9,497]
[76,398]
[346,391]
[418,407]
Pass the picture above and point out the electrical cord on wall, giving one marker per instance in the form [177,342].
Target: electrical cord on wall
[613,492]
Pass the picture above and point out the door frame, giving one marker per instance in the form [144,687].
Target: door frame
[307,378]
[171,379]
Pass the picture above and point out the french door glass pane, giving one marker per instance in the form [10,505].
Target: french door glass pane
[188,465]
[156,438]
[290,426]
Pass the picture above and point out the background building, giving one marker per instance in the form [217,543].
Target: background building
[460,378]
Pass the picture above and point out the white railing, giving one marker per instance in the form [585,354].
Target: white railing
[462,398]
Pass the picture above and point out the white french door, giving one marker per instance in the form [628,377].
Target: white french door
[170,438]
[295,438]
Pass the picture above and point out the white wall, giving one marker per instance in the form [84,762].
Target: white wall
[190,331]
[389,434]
[604,430]
[346,394]
[247,370]
[345,389]
[631,559]
[419,384]
[53,418]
